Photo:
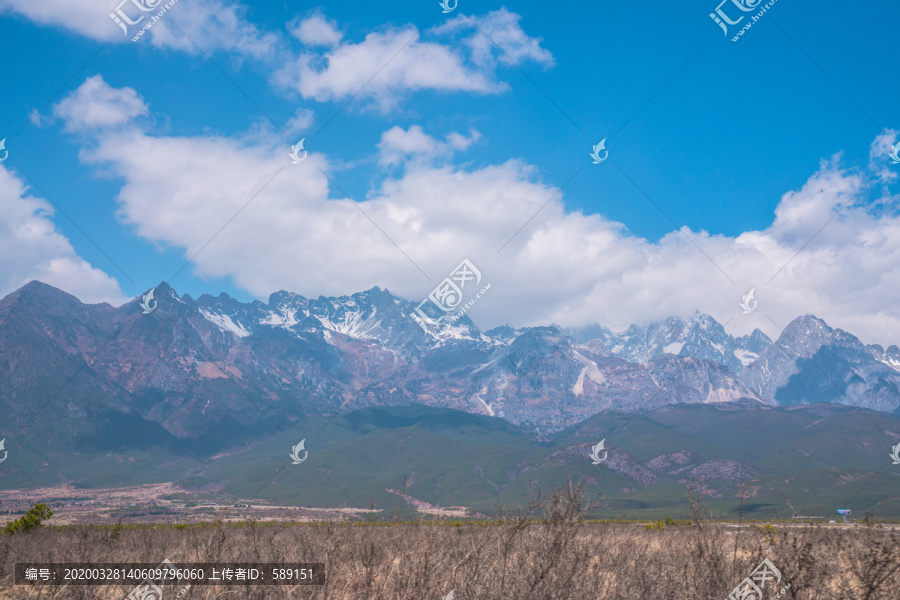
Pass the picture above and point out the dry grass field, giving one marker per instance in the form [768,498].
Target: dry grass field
[544,551]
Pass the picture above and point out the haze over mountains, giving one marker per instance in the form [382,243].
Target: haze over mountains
[213,371]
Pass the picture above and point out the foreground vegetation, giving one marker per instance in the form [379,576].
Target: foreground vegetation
[543,551]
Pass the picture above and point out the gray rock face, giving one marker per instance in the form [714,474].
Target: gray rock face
[811,362]
[689,380]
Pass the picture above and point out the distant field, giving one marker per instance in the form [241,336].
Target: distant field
[545,552]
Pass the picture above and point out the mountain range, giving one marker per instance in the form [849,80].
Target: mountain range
[212,370]
[199,378]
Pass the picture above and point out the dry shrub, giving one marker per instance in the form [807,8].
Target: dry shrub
[544,551]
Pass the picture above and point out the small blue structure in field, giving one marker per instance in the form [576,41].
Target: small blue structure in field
[844,512]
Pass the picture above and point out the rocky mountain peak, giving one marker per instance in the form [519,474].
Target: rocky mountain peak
[199,367]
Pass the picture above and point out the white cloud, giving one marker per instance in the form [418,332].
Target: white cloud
[316,31]
[32,248]
[461,60]
[302,120]
[879,156]
[498,29]
[398,145]
[404,63]
[86,17]
[881,147]
[566,267]
[213,24]
[37,119]
[95,104]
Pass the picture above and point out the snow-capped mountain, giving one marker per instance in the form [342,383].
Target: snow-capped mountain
[811,362]
[699,337]
[214,371]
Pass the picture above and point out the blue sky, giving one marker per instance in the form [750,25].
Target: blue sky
[800,113]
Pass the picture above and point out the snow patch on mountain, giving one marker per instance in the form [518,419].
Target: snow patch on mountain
[745,356]
[487,407]
[489,363]
[590,370]
[286,318]
[894,364]
[723,395]
[674,348]
[889,357]
[592,373]
[354,325]
[225,323]
[701,336]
